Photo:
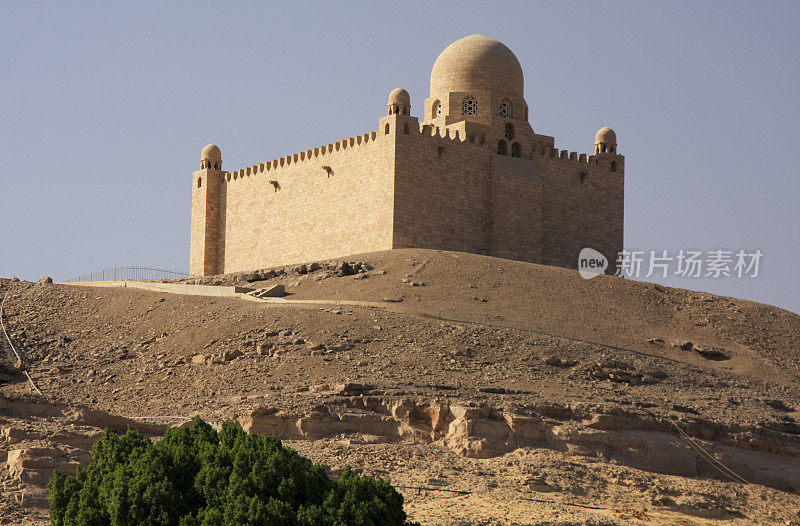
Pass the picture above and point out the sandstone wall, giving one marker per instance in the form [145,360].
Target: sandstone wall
[580,211]
[516,209]
[407,186]
[311,214]
[442,192]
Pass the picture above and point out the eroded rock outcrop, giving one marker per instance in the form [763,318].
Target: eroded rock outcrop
[483,432]
[31,450]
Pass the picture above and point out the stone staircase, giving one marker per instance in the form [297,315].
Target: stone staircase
[275,291]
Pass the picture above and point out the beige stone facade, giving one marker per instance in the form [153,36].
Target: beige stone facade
[473,176]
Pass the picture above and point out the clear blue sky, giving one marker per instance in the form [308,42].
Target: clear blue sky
[105,107]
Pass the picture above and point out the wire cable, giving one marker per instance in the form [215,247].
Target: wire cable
[19,364]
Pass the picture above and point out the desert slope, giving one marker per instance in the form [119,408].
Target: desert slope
[540,395]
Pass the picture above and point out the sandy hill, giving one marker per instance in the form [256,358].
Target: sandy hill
[511,393]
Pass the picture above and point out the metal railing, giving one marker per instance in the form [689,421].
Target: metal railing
[135,273]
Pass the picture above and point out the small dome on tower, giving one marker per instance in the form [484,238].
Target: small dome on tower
[212,152]
[399,102]
[605,141]
[605,135]
[399,96]
[211,157]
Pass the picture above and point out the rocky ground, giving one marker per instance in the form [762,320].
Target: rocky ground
[492,391]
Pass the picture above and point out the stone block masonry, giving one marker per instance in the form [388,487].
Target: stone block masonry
[472,177]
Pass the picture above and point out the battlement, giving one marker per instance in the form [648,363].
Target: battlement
[438,132]
[300,157]
[612,161]
[542,151]
[349,143]
[562,155]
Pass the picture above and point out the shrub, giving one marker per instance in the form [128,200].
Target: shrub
[198,477]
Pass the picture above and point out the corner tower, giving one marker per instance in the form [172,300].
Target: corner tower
[605,141]
[204,244]
[605,150]
[399,102]
[398,119]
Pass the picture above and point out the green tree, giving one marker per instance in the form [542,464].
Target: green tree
[198,477]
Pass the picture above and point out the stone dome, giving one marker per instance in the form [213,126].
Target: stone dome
[211,151]
[399,96]
[477,63]
[605,135]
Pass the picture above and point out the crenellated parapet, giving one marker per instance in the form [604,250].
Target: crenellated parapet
[321,152]
[442,132]
[564,155]
[302,157]
[541,148]
[607,161]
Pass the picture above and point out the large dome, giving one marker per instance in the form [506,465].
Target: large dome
[477,63]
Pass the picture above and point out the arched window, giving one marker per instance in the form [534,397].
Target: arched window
[199,182]
[502,147]
[516,150]
[614,166]
[437,109]
[506,110]
[386,130]
[405,128]
[216,166]
[469,106]
[509,131]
